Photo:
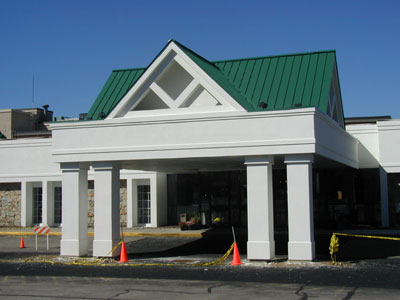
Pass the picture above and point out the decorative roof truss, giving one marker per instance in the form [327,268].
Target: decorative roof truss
[174,84]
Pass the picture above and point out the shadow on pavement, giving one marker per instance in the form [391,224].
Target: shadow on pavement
[218,241]
[213,241]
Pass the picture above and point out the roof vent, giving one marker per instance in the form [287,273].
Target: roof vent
[101,115]
[262,104]
[47,114]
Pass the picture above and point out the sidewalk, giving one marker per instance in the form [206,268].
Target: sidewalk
[132,232]
[171,245]
[217,240]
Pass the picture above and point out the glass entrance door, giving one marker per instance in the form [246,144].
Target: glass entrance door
[144,204]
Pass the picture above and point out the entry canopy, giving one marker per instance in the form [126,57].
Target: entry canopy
[180,81]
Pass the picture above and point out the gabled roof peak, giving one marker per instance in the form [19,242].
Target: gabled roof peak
[258,83]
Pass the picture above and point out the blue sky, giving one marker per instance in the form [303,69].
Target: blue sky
[70,47]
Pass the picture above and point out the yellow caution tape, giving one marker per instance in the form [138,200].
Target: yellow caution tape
[334,243]
[115,248]
[100,262]
[369,236]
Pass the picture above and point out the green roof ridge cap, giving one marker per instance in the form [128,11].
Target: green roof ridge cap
[233,59]
[129,69]
[226,60]
[273,56]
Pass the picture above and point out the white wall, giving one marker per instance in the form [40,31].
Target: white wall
[27,158]
[368,148]
[379,144]
[204,135]
[333,142]
[30,160]
[389,145]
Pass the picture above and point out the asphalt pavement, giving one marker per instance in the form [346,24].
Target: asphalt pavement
[67,287]
[22,271]
[186,251]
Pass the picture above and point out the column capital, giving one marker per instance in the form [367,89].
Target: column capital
[299,159]
[74,166]
[105,165]
[259,160]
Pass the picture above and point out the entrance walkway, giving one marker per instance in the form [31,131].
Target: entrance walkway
[171,241]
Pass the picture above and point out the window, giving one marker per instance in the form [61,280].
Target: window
[37,205]
[57,205]
[144,204]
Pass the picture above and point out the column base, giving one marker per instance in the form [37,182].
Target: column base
[102,248]
[301,250]
[260,250]
[74,247]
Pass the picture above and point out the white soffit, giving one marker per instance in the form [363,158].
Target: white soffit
[172,85]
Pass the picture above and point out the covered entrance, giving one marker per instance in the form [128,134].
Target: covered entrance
[217,198]
[185,115]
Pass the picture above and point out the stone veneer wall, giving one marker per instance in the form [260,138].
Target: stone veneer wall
[10,204]
[123,200]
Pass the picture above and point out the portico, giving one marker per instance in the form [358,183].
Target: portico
[183,115]
[258,168]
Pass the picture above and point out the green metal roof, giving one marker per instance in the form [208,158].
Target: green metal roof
[283,82]
[117,85]
[257,84]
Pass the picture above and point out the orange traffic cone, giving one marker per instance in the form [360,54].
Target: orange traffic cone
[124,255]
[236,257]
[21,243]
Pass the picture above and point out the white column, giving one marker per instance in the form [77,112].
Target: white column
[260,212]
[106,208]
[132,202]
[26,204]
[74,241]
[384,198]
[48,203]
[300,207]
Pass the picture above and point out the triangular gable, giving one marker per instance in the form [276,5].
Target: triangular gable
[334,107]
[215,73]
[174,84]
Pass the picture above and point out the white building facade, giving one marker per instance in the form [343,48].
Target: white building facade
[185,115]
